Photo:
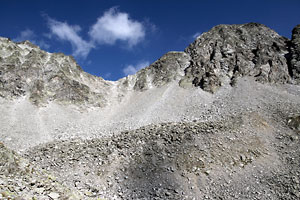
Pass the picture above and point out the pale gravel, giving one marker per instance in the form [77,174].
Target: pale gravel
[23,125]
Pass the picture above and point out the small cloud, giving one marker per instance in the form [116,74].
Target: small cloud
[152,28]
[47,35]
[114,26]
[42,44]
[89,62]
[25,35]
[107,75]
[132,69]
[196,35]
[29,35]
[64,31]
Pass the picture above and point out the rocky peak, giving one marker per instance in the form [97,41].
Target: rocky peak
[227,52]
[170,67]
[217,57]
[26,70]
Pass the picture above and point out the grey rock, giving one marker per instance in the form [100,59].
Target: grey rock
[295,54]
[239,143]
[27,70]
[168,68]
[54,195]
[217,57]
[294,123]
[227,52]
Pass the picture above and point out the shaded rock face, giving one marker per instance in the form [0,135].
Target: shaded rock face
[227,52]
[295,54]
[294,123]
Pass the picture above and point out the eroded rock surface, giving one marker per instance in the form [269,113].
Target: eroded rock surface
[227,52]
[168,68]
[217,57]
[295,54]
[43,77]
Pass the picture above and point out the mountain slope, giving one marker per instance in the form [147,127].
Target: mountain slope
[217,121]
[219,56]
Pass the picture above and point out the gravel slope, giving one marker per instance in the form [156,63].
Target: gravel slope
[213,122]
[238,143]
[29,125]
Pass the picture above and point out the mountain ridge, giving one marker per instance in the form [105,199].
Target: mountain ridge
[215,58]
[220,120]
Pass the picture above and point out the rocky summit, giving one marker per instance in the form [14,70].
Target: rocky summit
[220,120]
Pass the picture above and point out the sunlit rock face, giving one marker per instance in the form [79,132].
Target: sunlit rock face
[217,57]
[27,70]
[227,52]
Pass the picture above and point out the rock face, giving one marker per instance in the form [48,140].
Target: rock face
[217,57]
[168,68]
[43,77]
[227,52]
[295,54]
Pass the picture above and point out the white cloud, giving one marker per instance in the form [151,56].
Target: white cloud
[114,26]
[111,27]
[29,35]
[196,35]
[131,69]
[25,35]
[64,31]
[42,44]
[107,75]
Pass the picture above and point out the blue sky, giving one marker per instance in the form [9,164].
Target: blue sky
[112,38]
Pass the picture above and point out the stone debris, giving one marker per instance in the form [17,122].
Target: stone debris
[217,121]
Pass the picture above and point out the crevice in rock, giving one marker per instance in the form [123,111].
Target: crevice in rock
[288,58]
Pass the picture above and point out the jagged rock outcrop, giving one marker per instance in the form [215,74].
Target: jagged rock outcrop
[168,68]
[43,77]
[295,54]
[227,52]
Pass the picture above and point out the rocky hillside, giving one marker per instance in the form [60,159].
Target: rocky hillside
[217,57]
[42,77]
[220,120]
[19,179]
[235,158]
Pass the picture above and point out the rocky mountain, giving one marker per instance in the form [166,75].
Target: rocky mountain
[220,120]
[221,55]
